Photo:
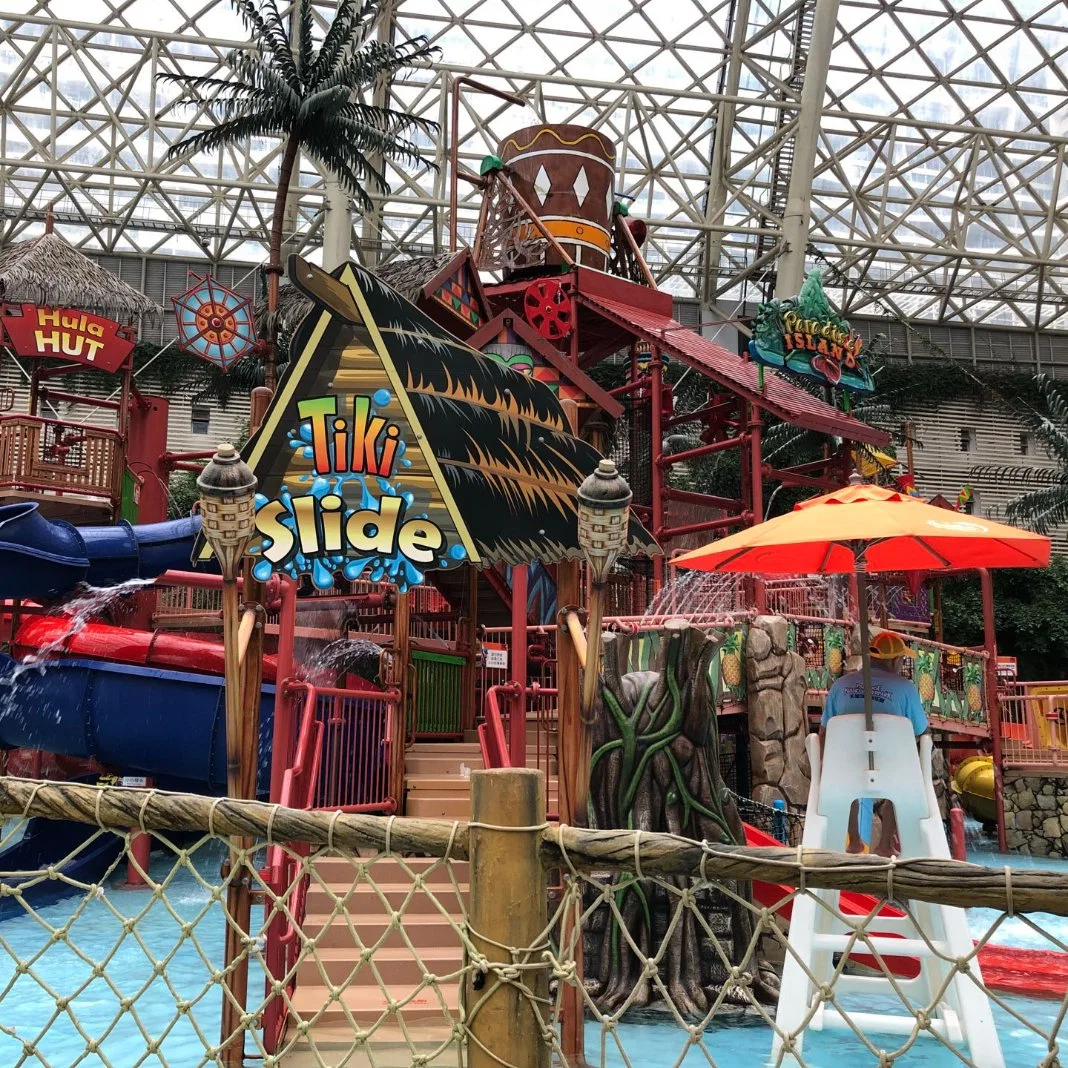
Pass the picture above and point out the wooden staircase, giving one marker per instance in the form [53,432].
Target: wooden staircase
[344,919]
[437,786]
[437,781]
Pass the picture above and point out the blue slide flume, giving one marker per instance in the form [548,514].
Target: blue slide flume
[169,725]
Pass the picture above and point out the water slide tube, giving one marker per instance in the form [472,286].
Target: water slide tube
[42,559]
[144,648]
[170,725]
[974,781]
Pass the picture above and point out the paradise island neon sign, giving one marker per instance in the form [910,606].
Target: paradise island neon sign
[344,506]
[805,335]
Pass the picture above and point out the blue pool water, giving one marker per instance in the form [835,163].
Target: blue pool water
[28,1010]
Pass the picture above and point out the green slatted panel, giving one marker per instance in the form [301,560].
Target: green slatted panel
[438,693]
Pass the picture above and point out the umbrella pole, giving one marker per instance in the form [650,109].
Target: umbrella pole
[865,653]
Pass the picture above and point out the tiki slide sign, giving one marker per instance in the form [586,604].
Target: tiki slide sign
[392,449]
[359,509]
[807,336]
[36,331]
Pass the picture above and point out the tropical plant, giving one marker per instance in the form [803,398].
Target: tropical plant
[1044,505]
[310,94]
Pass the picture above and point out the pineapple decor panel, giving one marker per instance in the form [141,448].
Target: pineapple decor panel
[973,690]
[927,677]
[823,647]
[731,665]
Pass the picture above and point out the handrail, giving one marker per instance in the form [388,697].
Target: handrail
[298,791]
[491,736]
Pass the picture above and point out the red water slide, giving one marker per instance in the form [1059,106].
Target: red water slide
[1032,973]
[98,641]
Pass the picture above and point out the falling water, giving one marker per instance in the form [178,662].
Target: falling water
[90,602]
[358,657]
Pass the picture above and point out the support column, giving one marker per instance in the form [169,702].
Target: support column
[569,742]
[993,705]
[756,492]
[656,432]
[509,908]
[404,708]
[798,215]
[715,205]
[517,742]
[337,230]
[469,709]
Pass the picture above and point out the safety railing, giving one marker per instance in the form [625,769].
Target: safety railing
[285,865]
[341,762]
[50,456]
[1034,724]
[399,959]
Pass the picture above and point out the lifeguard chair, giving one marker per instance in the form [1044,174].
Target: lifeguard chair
[936,936]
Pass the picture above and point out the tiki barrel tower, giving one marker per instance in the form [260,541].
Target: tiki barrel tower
[566,174]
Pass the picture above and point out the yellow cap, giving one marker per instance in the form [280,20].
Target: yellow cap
[887,646]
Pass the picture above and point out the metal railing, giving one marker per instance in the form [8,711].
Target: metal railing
[55,457]
[1034,724]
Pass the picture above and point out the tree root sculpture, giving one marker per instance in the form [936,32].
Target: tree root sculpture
[655,767]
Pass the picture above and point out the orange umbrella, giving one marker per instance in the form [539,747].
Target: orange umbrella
[868,528]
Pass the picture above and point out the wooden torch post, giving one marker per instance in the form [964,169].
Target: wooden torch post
[227,507]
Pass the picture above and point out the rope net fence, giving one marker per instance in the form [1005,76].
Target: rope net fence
[365,945]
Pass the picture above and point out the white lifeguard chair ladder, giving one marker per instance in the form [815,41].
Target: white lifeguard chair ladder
[819,931]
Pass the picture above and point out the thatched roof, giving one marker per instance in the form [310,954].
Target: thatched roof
[48,270]
[491,459]
[407,277]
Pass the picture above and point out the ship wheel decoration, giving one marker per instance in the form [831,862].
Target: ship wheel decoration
[547,307]
[214,322]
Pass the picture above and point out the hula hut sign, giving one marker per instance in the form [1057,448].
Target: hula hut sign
[806,335]
[34,330]
[392,449]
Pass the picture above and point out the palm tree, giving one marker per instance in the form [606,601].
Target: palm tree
[311,98]
[1044,505]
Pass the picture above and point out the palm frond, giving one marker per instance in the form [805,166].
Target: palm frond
[306,24]
[1041,509]
[1010,475]
[349,20]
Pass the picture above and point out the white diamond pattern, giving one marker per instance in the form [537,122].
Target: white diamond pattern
[542,185]
[582,186]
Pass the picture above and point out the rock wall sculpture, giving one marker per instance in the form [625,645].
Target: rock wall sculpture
[778,761]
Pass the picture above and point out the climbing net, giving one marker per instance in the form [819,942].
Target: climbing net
[367,944]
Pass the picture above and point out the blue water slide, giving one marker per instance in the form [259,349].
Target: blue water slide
[170,725]
[42,558]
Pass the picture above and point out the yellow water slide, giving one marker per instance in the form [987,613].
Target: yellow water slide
[974,781]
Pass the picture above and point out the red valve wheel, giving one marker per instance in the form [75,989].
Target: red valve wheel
[547,307]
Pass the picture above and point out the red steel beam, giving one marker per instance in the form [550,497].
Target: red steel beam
[701,450]
[740,520]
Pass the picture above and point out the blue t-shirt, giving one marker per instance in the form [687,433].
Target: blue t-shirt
[890,695]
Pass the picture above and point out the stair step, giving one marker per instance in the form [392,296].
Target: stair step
[398,967]
[368,1004]
[439,806]
[386,1048]
[341,872]
[445,749]
[367,903]
[423,929]
[438,784]
[439,765]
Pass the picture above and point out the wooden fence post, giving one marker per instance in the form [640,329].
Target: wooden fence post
[509,908]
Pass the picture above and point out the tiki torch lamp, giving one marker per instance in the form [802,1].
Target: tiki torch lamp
[228,512]
[603,522]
